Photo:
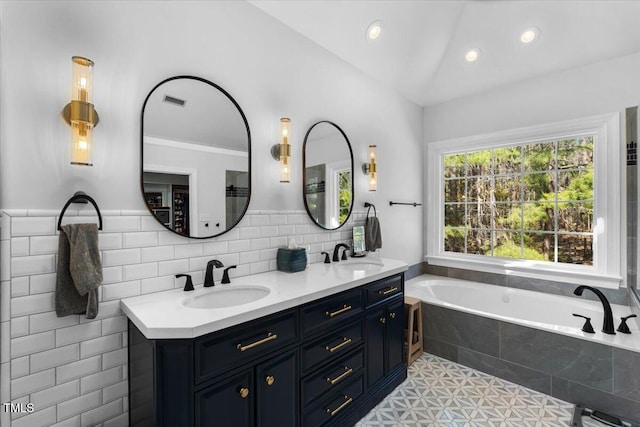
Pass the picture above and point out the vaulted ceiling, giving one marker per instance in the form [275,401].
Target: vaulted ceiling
[421,50]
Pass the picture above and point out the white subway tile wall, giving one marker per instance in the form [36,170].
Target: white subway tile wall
[74,370]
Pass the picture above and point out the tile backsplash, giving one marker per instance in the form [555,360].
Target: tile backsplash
[74,370]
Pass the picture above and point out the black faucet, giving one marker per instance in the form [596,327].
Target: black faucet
[188,285]
[225,275]
[337,249]
[607,325]
[208,276]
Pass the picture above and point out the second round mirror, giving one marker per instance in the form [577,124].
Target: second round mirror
[327,163]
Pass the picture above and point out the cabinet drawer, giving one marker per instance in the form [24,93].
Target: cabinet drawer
[338,403]
[332,377]
[383,289]
[333,310]
[331,346]
[220,352]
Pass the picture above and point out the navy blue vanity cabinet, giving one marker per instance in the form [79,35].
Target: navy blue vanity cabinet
[384,329]
[384,339]
[245,375]
[265,395]
[324,363]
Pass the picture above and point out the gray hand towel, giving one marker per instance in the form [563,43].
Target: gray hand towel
[79,271]
[372,233]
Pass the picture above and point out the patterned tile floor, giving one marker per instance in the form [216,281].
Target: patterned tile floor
[441,393]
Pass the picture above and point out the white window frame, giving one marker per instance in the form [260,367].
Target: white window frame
[609,166]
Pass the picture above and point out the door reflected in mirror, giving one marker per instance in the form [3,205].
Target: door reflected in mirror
[328,175]
[196,157]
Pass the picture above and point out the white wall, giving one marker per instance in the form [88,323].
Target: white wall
[268,68]
[75,369]
[605,87]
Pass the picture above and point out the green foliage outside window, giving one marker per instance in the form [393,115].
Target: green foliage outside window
[532,201]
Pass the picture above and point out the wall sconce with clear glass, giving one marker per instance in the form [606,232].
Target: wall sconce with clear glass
[282,151]
[80,113]
[371,169]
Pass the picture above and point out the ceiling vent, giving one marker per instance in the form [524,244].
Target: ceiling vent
[174,101]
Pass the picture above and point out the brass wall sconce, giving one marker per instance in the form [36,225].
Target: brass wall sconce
[80,113]
[371,168]
[282,151]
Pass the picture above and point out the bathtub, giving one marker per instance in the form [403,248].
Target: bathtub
[552,313]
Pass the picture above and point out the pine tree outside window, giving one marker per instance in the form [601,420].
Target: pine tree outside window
[539,202]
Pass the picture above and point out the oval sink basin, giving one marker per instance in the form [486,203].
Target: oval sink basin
[361,264]
[226,297]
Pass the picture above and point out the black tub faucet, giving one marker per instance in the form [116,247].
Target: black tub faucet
[607,325]
[337,249]
[208,276]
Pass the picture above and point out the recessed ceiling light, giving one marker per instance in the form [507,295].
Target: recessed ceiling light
[529,35]
[472,54]
[374,30]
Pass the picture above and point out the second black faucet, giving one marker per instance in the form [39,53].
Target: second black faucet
[336,250]
[208,276]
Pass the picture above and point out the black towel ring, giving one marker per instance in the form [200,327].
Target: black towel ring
[78,198]
[369,206]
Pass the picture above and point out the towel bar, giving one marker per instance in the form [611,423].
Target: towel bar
[78,197]
[414,204]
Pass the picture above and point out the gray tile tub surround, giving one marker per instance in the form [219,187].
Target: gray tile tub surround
[569,368]
[615,296]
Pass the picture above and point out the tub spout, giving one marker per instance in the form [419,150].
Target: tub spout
[607,325]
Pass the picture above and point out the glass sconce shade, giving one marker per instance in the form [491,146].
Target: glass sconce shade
[371,168]
[80,113]
[285,150]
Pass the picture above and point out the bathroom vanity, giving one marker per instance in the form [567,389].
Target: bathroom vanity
[323,348]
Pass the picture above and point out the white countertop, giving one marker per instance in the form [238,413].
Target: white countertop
[162,315]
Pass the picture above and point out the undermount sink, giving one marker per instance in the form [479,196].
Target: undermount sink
[361,263]
[226,297]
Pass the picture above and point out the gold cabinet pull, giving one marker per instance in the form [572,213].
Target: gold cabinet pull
[347,371]
[335,313]
[244,392]
[383,320]
[388,291]
[270,337]
[345,341]
[270,380]
[341,407]
[392,315]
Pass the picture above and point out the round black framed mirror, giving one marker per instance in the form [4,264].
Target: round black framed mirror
[195,169]
[327,178]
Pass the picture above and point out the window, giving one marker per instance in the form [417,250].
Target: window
[541,202]
[531,201]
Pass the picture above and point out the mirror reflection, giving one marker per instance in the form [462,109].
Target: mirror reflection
[328,175]
[196,158]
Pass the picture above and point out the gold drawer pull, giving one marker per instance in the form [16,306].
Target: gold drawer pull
[348,371]
[342,310]
[270,337]
[270,380]
[388,291]
[244,392]
[392,315]
[383,320]
[341,407]
[345,341]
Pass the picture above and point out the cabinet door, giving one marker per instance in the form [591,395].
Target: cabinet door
[395,335]
[228,403]
[277,391]
[375,332]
